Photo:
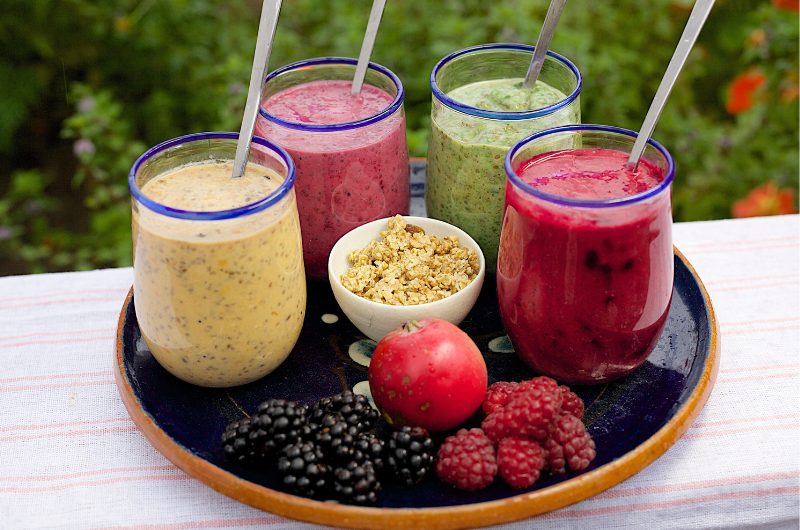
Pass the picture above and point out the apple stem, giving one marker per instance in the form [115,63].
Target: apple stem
[411,325]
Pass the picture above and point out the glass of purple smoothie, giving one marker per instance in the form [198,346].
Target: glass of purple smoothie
[350,150]
[585,262]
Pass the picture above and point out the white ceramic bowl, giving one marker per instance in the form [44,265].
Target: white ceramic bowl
[374,319]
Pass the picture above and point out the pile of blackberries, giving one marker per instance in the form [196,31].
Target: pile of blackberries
[329,450]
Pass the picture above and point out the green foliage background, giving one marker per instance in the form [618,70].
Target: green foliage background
[88,86]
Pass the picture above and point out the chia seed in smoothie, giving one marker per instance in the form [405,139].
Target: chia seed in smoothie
[584,292]
[219,302]
[345,178]
[465,177]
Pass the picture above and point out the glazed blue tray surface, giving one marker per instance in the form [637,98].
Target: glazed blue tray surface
[329,358]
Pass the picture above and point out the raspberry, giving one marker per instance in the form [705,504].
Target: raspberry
[498,395]
[520,461]
[502,392]
[536,425]
[529,414]
[554,454]
[538,382]
[571,402]
[578,447]
[467,460]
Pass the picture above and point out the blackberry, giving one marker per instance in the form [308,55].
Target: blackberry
[369,448]
[356,483]
[278,423]
[236,444]
[336,438]
[303,470]
[354,408]
[410,455]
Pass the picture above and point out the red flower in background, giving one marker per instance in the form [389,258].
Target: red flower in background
[789,5]
[744,85]
[765,200]
[790,90]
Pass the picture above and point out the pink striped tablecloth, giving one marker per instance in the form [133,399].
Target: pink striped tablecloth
[70,456]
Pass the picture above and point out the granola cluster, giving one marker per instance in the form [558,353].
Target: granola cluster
[409,267]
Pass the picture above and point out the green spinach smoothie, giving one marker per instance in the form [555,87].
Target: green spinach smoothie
[465,182]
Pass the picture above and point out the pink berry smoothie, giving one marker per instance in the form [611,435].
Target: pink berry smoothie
[352,165]
[584,292]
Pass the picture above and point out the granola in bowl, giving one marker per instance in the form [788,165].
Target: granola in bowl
[410,267]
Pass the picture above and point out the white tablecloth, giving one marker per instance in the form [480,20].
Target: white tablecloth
[70,456]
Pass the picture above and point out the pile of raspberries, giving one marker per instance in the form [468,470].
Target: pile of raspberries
[530,427]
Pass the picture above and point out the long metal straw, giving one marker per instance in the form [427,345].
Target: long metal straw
[546,35]
[266,33]
[697,18]
[367,45]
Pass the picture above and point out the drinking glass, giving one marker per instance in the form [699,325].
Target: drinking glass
[465,180]
[349,173]
[220,296]
[585,285]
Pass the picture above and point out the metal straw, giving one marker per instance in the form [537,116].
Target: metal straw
[696,20]
[367,45]
[266,33]
[546,35]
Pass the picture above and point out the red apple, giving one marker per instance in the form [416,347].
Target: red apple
[428,374]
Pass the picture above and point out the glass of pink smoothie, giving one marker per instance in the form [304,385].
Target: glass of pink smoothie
[350,150]
[585,262]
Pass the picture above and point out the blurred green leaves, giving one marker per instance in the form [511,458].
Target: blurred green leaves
[88,86]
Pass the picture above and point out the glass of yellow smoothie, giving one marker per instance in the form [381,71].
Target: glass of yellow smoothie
[219,284]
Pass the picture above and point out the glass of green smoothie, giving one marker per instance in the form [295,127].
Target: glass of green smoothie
[479,111]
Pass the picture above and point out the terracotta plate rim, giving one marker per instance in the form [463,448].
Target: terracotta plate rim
[440,518]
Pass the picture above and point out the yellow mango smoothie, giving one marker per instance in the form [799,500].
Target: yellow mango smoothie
[220,302]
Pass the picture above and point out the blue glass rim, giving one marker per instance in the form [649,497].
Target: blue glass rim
[500,115]
[588,203]
[247,209]
[348,125]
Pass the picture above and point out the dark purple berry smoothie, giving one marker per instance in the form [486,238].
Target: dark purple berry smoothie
[345,177]
[584,292]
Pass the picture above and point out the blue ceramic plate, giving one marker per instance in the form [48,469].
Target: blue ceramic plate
[632,420]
